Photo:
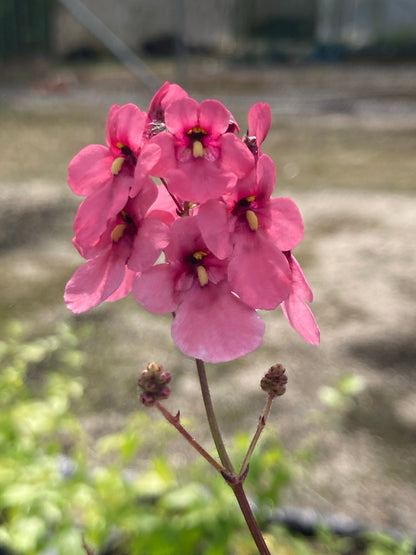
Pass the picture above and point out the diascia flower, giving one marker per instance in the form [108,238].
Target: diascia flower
[200,157]
[108,175]
[210,321]
[210,244]
[254,231]
[131,242]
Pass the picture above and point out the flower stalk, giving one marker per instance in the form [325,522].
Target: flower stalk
[260,427]
[212,420]
[235,481]
[175,421]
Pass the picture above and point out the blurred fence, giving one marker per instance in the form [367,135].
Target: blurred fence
[24,27]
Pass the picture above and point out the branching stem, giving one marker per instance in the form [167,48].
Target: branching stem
[175,421]
[235,481]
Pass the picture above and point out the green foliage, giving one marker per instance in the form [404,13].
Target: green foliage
[341,397]
[382,544]
[52,496]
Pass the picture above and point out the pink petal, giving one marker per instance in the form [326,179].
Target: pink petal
[154,289]
[300,285]
[213,325]
[259,121]
[89,169]
[95,211]
[182,115]
[286,228]
[213,117]
[149,157]
[244,187]
[266,177]
[167,159]
[94,281]
[199,181]
[301,319]
[214,224]
[124,288]
[146,195]
[152,236]
[167,94]
[185,239]
[164,208]
[125,124]
[258,272]
[235,156]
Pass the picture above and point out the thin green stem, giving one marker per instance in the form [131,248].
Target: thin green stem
[233,480]
[212,420]
[260,427]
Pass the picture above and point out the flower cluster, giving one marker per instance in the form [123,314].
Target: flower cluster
[178,211]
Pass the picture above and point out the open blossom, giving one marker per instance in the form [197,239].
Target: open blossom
[253,230]
[200,157]
[210,322]
[108,175]
[131,242]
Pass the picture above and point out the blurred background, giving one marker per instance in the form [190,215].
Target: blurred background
[340,77]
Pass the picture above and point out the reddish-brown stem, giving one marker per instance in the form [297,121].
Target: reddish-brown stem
[87,549]
[175,200]
[175,421]
[254,528]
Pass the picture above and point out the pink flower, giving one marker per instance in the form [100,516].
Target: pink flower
[131,242]
[295,308]
[107,176]
[253,229]
[210,323]
[199,157]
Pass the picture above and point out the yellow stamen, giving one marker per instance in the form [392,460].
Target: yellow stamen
[120,145]
[197,149]
[197,129]
[117,232]
[252,220]
[199,255]
[251,198]
[202,275]
[116,165]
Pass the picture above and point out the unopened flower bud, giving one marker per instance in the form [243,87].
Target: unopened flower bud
[147,399]
[153,382]
[274,381]
[251,142]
